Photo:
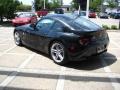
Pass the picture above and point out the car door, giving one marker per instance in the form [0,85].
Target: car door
[39,36]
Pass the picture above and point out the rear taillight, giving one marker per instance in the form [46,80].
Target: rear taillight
[84,41]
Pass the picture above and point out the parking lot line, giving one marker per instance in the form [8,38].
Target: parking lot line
[1,42]
[61,79]
[14,73]
[114,81]
[8,50]
[115,44]
[18,54]
[57,72]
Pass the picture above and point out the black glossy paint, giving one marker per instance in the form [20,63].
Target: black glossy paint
[69,33]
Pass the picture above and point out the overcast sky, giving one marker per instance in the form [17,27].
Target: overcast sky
[66,2]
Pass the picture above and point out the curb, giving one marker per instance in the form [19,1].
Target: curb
[113,30]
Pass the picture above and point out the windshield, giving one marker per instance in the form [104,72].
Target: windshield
[25,15]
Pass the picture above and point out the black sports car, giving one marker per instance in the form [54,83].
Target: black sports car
[63,37]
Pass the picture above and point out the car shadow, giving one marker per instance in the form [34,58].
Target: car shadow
[6,24]
[91,63]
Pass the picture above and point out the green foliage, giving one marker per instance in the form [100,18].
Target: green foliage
[39,4]
[7,8]
[114,27]
[95,5]
[23,7]
[54,4]
[75,5]
[105,27]
[112,4]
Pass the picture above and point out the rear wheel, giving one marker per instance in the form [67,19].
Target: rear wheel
[58,53]
[17,39]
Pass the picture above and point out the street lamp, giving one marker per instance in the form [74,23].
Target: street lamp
[87,8]
[44,4]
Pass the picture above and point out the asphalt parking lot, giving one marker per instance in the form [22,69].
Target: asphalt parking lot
[24,69]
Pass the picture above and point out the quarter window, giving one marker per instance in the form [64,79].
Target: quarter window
[44,24]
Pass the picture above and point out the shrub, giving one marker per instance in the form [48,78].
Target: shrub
[114,27]
[105,27]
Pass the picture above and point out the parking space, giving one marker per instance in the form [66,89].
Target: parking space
[24,69]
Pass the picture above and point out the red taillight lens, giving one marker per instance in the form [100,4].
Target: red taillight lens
[84,41]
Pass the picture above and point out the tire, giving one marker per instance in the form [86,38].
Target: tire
[58,53]
[17,39]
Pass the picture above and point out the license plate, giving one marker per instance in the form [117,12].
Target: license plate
[100,49]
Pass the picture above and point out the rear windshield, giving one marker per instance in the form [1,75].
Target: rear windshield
[84,24]
[79,23]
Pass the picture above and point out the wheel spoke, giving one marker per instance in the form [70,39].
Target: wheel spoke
[17,38]
[60,56]
[57,52]
[54,51]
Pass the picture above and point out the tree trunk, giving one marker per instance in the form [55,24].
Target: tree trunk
[1,19]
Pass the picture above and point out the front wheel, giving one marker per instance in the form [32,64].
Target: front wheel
[17,39]
[58,53]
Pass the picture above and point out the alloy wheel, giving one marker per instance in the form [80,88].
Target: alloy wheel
[57,52]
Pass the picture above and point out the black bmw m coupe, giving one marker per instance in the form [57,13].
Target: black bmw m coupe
[63,37]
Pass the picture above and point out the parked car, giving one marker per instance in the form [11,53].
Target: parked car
[92,14]
[59,11]
[41,13]
[24,18]
[64,37]
[117,16]
[80,14]
[103,15]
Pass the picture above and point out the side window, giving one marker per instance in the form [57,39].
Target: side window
[44,24]
[58,27]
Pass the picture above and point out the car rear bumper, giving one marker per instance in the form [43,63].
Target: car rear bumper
[89,51]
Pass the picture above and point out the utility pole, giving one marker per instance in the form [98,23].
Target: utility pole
[44,4]
[79,10]
[87,8]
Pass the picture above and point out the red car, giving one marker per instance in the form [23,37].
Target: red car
[92,15]
[24,18]
[42,13]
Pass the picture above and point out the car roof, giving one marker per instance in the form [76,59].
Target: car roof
[60,16]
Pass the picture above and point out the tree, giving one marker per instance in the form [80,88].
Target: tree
[95,4]
[82,3]
[22,7]
[112,4]
[55,4]
[49,5]
[39,4]
[7,8]
[75,4]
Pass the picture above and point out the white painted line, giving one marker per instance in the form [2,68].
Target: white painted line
[13,74]
[18,54]
[8,50]
[1,42]
[26,61]
[8,79]
[114,82]
[57,72]
[60,83]
[117,45]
